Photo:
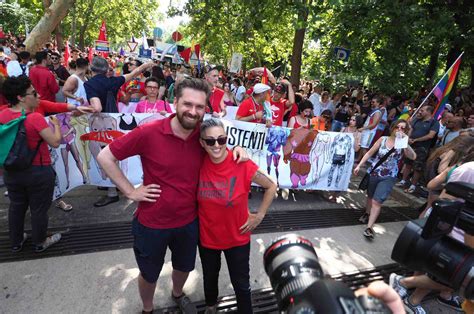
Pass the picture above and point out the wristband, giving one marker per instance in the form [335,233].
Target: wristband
[254,117]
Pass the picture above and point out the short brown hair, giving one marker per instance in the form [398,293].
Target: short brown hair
[192,83]
[396,123]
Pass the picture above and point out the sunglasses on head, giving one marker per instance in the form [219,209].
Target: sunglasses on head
[212,141]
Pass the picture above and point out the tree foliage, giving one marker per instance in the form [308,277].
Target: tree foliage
[396,46]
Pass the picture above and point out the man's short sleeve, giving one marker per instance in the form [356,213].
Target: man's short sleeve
[243,110]
[90,91]
[128,145]
[435,126]
[117,82]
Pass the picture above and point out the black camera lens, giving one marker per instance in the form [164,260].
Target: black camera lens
[292,265]
[444,258]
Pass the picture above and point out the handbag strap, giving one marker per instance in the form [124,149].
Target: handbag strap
[384,157]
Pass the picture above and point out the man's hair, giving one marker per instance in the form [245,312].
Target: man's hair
[152,79]
[56,54]
[378,99]
[24,55]
[99,65]
[75,50]
[40,56]
[20,45]
[210,123]
[13,87]
[82,63]
[192,83]
[429,108]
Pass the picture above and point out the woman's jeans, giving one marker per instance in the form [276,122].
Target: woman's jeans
[31,188]
[238,263]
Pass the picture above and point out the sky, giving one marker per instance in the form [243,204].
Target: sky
[169,25]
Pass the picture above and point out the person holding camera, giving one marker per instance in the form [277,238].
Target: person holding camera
[383,175]
[424,284]
[224,219]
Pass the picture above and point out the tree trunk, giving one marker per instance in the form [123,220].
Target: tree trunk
[73,26]
[51,18]
[432,65]
[82,31]
[298,41]
[58,32]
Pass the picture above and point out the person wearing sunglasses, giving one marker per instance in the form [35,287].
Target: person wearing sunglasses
[31,188]
[383,178]
[171,157]
[225,223]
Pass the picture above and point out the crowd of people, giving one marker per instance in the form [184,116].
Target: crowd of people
[437,151]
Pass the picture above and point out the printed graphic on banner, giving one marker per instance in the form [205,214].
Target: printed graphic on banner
[101,46]
[236,63]
[296,158]
[342,53]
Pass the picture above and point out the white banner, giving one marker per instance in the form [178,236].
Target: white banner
[296,158]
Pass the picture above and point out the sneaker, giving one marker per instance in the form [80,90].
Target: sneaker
[411,189]
[48,242]
[18,248]
[184,304]
[394,282]
[414,309]
[401,183]
[454,302]
[369,233]
[364,218]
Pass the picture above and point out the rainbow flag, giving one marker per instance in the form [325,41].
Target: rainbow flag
[444,86]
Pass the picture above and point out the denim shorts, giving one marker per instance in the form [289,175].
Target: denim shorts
[150,248]
[380,188]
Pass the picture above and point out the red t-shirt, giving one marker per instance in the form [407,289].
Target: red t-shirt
[34,123]
[169,161]
[215,100]
[278,111]
[223,202]
[44,82]
[247,108]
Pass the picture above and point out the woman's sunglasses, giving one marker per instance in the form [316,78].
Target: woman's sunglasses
[212,141]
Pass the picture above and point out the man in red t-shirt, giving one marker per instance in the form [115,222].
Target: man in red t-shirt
[252,109]
[43,79]
[216,104]
[171,158]
[279,105]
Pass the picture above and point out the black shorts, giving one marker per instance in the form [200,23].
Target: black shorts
[422,154]
[150,248]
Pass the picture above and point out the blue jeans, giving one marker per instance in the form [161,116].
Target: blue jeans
[238,263]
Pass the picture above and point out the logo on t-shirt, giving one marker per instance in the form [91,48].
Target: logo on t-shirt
[218,190]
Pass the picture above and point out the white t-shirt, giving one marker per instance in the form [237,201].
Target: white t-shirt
[315,98]
[239,93]
[14,68]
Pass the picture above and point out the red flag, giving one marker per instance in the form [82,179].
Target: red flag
[66,54]
[103,32]
[186,54]
[197,50]
[90,56]
[264,76]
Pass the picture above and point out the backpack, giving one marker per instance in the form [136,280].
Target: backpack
[15,155]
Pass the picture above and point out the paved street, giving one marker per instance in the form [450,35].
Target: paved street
[105,282]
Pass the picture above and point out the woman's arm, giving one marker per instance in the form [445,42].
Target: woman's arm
[369,154]
[291,122]
[52,138]
[265,181]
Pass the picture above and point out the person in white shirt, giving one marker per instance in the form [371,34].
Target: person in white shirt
[239,90]
[13,66]
[315,98]
[324,104]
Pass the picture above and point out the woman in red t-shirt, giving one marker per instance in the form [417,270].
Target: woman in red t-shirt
[34,186]
[224,219]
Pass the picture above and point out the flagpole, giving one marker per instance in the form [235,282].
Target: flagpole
[432,90]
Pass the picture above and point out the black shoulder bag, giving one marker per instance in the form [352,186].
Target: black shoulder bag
[364,183]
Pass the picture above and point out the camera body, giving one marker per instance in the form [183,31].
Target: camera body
[299,284]
[424,244]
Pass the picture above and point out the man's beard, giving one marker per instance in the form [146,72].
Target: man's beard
[188,125]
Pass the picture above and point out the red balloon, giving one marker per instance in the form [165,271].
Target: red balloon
[176,36]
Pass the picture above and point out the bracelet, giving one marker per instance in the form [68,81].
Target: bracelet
[254,117]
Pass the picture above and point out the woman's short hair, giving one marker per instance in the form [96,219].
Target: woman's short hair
[210,123]
[303,105]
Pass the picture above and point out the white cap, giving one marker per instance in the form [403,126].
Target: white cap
[260,88]
[448,107]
